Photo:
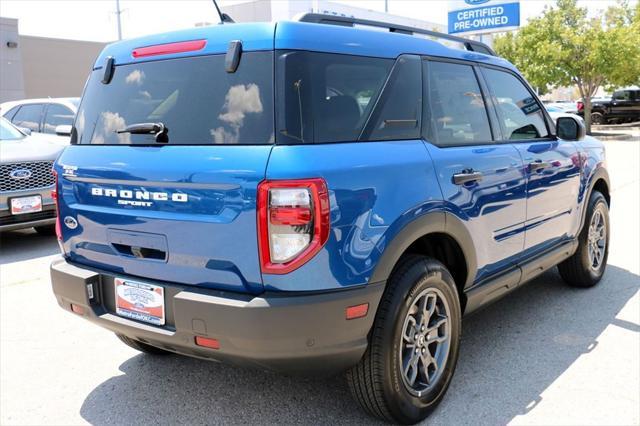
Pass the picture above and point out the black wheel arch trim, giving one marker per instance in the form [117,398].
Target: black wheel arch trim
[600,173]
[431,223]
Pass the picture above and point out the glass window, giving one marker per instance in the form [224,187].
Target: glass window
[9,114]
[28,116]
[8,132]
[326,97]
[519,113]
[196,100]
[57,115]
[398,111]
[456,110]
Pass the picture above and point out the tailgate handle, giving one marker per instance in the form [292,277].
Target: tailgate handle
[140,252]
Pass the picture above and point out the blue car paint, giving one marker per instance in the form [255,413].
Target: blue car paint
[211,240]
[376,188]
[493,209]
[370,203]
[292,35]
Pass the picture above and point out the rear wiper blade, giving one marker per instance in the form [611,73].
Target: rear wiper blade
[158,129]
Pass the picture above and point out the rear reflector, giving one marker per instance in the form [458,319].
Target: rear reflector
[357,311]
[77,309]
[169,48]
[206,342]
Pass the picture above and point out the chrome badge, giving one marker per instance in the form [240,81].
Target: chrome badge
[70,222]
[20,174]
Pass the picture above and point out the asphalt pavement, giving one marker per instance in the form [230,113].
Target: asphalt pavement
[546,354]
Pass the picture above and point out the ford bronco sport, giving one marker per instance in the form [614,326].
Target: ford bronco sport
[318,197]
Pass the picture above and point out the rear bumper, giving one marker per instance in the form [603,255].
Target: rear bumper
[10,222]
[293,334]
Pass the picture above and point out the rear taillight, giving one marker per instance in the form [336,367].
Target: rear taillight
[54,195]
[580,106]
[293,222]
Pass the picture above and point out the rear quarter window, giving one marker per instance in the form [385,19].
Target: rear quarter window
[195,98]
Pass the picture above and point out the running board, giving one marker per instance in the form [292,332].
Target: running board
[480,295]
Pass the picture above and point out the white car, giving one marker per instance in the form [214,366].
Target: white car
[556,113]
[51,116]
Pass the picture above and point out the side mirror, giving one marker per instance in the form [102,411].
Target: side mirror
[570,128]
[63,130]
[25,130]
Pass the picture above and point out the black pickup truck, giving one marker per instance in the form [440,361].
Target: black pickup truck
[624,106]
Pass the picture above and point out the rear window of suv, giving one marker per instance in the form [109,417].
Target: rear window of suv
[197,101]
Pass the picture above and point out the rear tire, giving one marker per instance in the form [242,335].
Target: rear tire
[142,347]
[587,265]
[47,230]
[415,335]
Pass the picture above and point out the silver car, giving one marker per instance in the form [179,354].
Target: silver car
[26,179]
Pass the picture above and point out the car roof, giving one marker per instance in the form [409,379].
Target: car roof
[68,101]
[296,36]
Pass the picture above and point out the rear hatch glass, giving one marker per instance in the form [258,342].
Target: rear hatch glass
[198,102]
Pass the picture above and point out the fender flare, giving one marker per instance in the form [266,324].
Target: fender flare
[435,222]
[600,173]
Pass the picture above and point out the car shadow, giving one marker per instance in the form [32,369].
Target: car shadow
[510,353]
[25,244]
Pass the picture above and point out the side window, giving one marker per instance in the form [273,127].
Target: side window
[28,116]
[398,111]
[57,115]
[620,95]
[323,97]
[9,114]
[520,115]
[455,111]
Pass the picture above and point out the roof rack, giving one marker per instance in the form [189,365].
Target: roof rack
[318,18]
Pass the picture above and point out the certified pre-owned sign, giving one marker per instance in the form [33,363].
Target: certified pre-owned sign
[483,16]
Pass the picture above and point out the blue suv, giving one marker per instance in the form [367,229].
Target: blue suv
[318,197]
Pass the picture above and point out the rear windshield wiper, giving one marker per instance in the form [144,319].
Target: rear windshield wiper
[158,129]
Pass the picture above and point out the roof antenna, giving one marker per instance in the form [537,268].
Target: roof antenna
[224,18]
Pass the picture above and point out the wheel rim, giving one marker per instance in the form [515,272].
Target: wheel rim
[596,118]
[597,242]
[425,341]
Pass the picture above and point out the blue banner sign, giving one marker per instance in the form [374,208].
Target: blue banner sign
[489,17]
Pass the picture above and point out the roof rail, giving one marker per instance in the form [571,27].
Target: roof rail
[319,18]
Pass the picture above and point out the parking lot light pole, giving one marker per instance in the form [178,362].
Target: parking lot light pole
[118,17]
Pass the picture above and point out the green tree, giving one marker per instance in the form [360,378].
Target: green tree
[564,47]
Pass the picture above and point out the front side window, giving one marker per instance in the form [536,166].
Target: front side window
[455,111]
[8,132]
[28,116]
[194,98]
[519,113]
[57,115]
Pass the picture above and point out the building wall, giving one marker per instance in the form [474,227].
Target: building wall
[11,67]
[56,67]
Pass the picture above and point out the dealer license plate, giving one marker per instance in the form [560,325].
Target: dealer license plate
[24,205]
[140,301]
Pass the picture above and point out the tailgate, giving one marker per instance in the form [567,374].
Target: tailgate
[141,211]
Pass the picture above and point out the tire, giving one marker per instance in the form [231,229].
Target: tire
[378,381]
[581,270]
[142,347]
[47,230]
[597,118]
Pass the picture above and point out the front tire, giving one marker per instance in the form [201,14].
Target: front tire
[597,118]
[587,265]
[414,344]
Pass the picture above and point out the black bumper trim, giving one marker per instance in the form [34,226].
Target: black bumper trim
[293,334]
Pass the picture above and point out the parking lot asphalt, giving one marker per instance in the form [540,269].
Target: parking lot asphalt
[546,354]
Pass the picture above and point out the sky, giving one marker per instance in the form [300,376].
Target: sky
[96,19]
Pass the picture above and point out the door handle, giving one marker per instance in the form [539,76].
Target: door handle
[538,165]
[467,176]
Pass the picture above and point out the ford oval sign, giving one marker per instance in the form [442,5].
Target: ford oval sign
[20,174]
[474,2]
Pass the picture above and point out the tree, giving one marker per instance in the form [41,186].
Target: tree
[564,47]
